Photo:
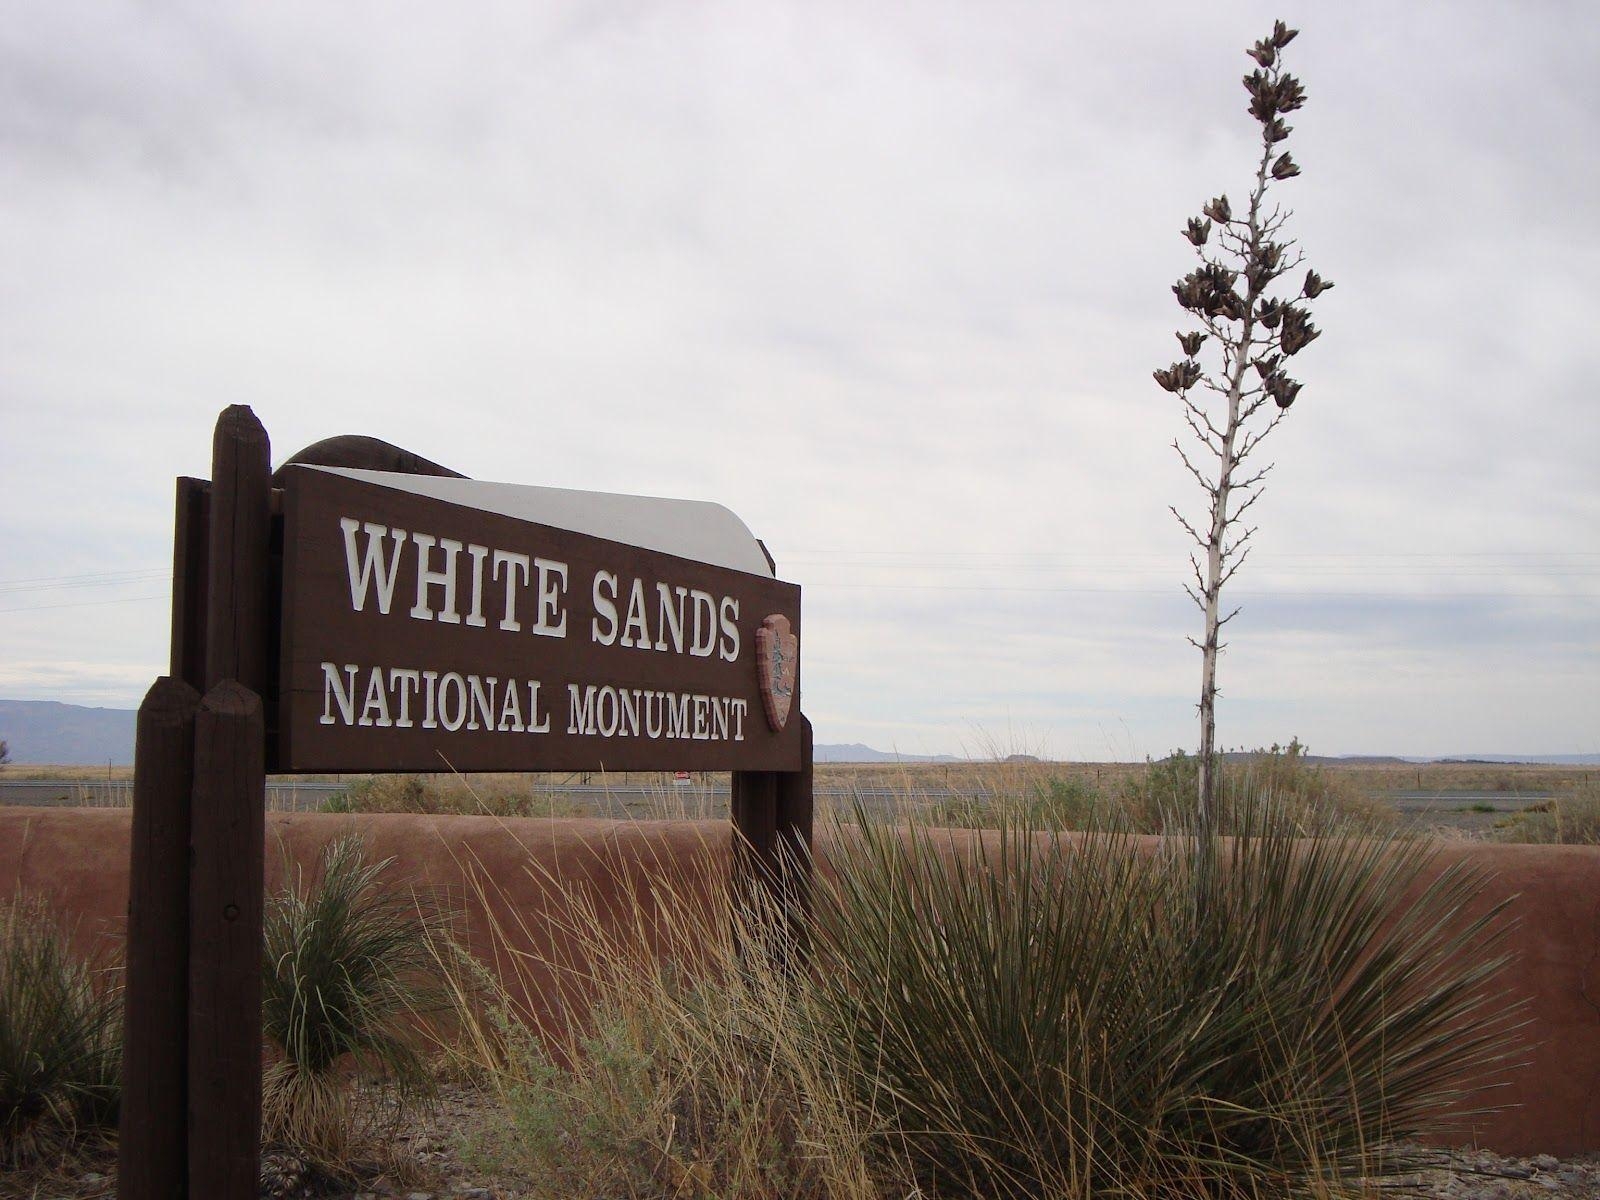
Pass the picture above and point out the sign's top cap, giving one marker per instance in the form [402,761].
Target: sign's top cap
[692,529]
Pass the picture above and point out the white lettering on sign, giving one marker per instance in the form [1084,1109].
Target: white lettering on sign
[605,609]
[608,711]
[687,620]
[373,566]
[354,695]
[728,647]
[669,615]
[477,554]
[514,590]
[335,692]
[550,619]
[427,578]
[513,563]
[451,700]
[372,562]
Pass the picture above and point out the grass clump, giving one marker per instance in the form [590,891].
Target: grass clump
[683,1065]
[1015,1013]
[60,1038]
[347,970]
[1304,794]
[1088,1016]
[1570,819]
[1045,802]
[1144,801]
[448,795]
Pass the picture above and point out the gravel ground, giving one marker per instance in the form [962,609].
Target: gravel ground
[429,1147]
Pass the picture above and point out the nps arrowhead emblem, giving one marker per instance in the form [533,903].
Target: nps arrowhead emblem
[777,659]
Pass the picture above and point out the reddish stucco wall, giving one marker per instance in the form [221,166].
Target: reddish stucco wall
[77,858]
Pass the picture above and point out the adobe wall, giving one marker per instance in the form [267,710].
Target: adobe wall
[499,874]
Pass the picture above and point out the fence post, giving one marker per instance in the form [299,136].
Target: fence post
[151,1149]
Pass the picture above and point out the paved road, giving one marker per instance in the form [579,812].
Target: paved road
[1468,812]
[91,793]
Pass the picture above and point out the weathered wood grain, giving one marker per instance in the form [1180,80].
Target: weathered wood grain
[151,1151]
[237,566]
[228,831]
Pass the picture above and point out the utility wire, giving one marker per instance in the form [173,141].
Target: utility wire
[85,603]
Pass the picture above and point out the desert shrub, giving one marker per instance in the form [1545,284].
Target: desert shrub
[60,1037]
[1044,1016]
[339,802]
[1158,799]
[382,793]
[1303,793]
[1167,785]
[688,1066]
[684,1092]
[347,968]
[1047,802]
[447,795]
[1015,1014]
[1572,819]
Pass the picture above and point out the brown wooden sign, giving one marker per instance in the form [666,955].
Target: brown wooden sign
[415,621]
[423,634]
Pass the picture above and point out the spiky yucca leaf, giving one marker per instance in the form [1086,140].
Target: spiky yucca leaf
[347,966]
[60,1036]
[1107,1014]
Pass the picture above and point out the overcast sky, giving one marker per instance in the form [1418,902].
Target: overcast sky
[888,280]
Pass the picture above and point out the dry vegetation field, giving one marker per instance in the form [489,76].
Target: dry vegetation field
[1507,802]
[1369,777]
[736,1082]
[1373,775]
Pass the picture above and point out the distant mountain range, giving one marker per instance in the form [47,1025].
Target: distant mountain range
[45,731]
[855,752]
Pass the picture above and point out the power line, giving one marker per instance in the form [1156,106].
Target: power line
[1265,569]
[1164,555]
[1176,590]
[92,579]
[85,603]
[51,579]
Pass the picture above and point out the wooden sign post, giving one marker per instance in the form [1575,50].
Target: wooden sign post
[358,620]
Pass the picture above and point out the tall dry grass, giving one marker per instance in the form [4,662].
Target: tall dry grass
[1570,818]
[679,1061]
[1002,1013]
[60,1037]
[1042,796]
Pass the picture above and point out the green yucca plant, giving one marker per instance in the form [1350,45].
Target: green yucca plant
[348,967]
[1105,1015]
[60,1036]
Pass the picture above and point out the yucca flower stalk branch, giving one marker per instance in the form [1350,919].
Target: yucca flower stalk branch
[1251,331]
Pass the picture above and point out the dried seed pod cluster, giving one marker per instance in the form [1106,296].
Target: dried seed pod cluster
[1247,322]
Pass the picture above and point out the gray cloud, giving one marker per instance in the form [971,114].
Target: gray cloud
[886,280]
